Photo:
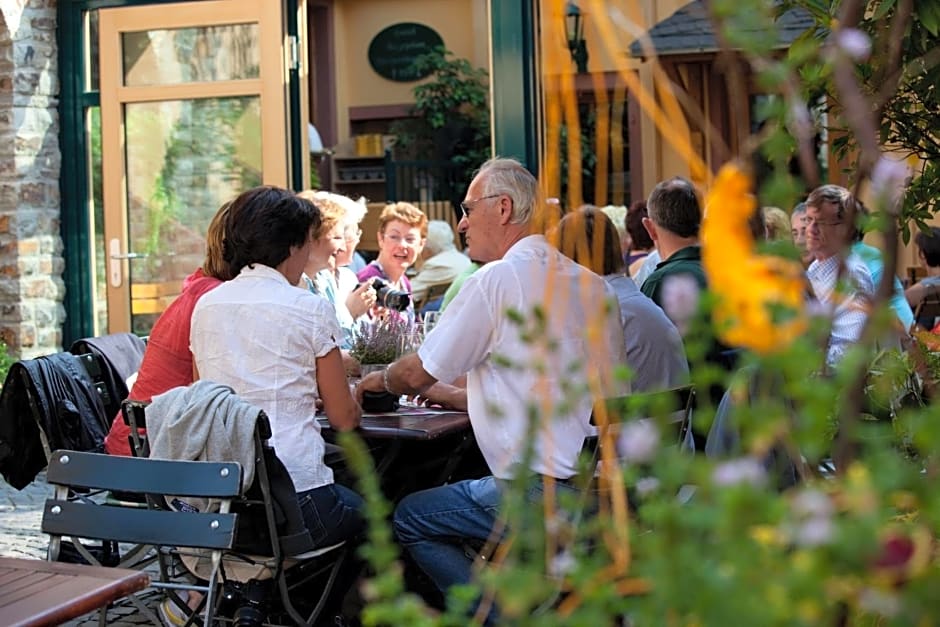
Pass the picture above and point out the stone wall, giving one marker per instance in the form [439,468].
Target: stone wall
[31,262]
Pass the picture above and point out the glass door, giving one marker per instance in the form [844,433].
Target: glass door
[193,112]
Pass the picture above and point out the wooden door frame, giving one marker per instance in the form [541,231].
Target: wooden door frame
[114,95]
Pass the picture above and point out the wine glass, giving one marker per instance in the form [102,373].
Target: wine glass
[408,342]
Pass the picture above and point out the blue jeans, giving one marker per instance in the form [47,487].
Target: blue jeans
[431,524]
[332,513]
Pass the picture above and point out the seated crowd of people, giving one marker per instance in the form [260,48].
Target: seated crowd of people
[275,306]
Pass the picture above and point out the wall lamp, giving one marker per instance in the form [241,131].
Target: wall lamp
[574,31]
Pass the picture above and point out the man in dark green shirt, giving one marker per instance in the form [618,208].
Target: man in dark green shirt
[674,216]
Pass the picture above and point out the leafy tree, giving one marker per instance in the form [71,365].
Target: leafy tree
[899,79]
[451,114]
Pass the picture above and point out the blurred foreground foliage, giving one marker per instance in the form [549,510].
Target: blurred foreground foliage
[774,532]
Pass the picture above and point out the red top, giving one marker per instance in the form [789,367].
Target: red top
[168,362]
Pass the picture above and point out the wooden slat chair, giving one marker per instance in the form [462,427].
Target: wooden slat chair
[290,562]
[82,516]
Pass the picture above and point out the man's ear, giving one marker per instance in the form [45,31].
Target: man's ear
[505,210]
[650,227]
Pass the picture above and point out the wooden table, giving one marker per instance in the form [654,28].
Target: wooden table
[408,423]
[36,592]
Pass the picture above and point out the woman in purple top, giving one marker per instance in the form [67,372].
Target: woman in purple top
[402,232]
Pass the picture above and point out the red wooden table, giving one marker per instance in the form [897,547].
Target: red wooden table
[36,592]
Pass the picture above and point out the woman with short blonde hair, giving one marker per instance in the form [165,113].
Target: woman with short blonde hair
[403,229]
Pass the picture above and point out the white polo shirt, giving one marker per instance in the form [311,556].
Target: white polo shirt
[518,367]
[262,336]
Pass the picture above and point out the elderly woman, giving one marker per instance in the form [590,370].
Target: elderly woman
[167,362]
[402,231]
[321,272]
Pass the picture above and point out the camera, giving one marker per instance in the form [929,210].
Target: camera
[246,601]
[389,297]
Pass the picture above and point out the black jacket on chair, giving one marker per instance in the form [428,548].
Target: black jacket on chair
[70,411]
[122,353]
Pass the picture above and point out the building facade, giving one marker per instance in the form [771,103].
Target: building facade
[126,123]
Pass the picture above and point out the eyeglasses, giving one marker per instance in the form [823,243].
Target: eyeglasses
[398,240]
[810,222]
[465,205]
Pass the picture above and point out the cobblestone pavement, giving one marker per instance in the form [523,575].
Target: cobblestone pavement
[20,515]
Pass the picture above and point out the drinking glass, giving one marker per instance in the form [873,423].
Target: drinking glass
[409,342]
[430,321]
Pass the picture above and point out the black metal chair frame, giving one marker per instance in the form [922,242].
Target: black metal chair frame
[677,402]
[81,516]
[278,563]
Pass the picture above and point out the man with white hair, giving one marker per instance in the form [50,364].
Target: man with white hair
[442,261]
[529,329]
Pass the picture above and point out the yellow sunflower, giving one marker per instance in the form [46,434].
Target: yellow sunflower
[759,298]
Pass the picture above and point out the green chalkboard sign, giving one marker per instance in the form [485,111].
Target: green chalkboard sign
[393,51]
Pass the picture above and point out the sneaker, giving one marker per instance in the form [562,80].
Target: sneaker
[170,613]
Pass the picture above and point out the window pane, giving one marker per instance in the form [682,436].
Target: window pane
[184,159]
[91,50]
[188,55]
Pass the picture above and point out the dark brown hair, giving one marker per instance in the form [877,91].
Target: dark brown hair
[264,223]
[634,224]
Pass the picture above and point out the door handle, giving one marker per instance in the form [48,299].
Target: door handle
[115,262]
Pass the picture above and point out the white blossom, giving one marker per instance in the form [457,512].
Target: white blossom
[738,471]
[812,502]
[680,300]
[647,485]
[878,601]
[562,564]
[853,43]
[888,180]
[814,531]
[638,441]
